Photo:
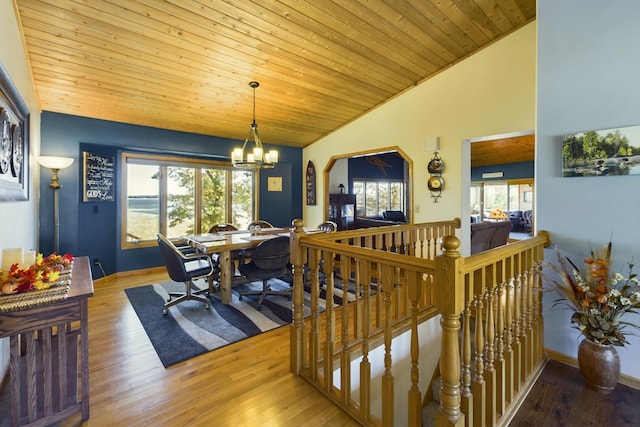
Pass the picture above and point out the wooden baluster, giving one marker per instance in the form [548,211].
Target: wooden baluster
[297,332]
[345,354]
[539,320]
[415,400]
[387,377]
[508,341]
[359,283]
[516,345]
[465,386]
[524,350]
[450,302]
[499,364]
[330,325]
[528,318]
[489,372]
[478,387]
[314,332]
[365,365]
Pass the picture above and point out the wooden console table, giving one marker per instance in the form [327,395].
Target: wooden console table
[49,362]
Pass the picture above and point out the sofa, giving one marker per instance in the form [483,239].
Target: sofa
[387,218]
[489,234]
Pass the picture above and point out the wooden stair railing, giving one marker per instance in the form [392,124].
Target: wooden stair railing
[400,277]
[492,339]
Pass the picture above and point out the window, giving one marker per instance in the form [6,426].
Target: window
[376,196]
[506,196]
[180,196]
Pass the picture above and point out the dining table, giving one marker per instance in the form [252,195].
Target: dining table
[224,243]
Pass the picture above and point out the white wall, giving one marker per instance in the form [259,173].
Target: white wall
[429,342]
[492,92]
[18,220]
[588,79]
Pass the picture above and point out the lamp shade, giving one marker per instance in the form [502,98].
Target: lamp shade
[54,162]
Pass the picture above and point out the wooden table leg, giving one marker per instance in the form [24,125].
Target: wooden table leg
[225,276]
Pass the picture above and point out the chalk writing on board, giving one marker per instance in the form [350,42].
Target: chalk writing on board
[99,176]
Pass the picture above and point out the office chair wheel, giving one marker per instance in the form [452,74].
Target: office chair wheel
[207,306]
[164,311]
[169,298]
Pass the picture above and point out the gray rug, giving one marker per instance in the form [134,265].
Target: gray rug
[189,330]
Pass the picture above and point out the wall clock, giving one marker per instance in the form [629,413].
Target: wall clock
[435,183]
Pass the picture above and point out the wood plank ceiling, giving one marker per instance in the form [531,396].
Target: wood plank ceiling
[503,150]
[186,64]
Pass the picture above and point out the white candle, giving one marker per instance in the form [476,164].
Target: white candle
[236,155]
[250,158]
[273,156]
[29,258]
[257,154]
[11,256]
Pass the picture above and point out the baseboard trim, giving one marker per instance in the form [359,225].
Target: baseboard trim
[572,361]
[130,274]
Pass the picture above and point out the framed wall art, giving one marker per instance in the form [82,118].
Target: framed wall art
[311,184]
[14,142]
[603,152]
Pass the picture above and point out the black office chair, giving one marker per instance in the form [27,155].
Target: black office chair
[269,260]
[184,268]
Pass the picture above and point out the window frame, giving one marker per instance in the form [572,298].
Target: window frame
[163,162]
[509,183]
[378,181]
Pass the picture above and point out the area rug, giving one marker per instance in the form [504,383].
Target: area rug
[189,330]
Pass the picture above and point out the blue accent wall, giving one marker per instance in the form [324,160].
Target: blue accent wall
[379,166]
[93,228]
[519,170]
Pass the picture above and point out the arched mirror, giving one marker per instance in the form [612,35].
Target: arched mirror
[376,188]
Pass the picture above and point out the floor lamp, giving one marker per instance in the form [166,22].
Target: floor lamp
[55,164]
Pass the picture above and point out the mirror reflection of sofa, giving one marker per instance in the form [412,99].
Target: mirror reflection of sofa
[387,218]
[489,234]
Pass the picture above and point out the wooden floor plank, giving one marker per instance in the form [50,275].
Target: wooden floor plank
[249,383]
[560,398]
[243,384]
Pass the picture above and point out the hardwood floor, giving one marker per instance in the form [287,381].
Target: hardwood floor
[249,383]
[560,398]
[244,384]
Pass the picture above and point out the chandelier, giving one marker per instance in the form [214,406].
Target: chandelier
[257,158]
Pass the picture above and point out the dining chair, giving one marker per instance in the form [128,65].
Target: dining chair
[235,255]
[185,268]
[262,223]
[269,260]
[328,226]
[223,226]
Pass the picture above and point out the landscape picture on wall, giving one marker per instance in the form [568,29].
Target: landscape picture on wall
[602,152]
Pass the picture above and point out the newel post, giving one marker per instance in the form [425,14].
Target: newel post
[450,302]
[297,332]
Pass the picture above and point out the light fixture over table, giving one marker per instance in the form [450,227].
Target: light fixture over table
[257,158]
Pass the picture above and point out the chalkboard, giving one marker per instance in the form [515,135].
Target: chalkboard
[99,178]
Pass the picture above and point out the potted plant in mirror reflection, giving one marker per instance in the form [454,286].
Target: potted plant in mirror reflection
[598,299]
